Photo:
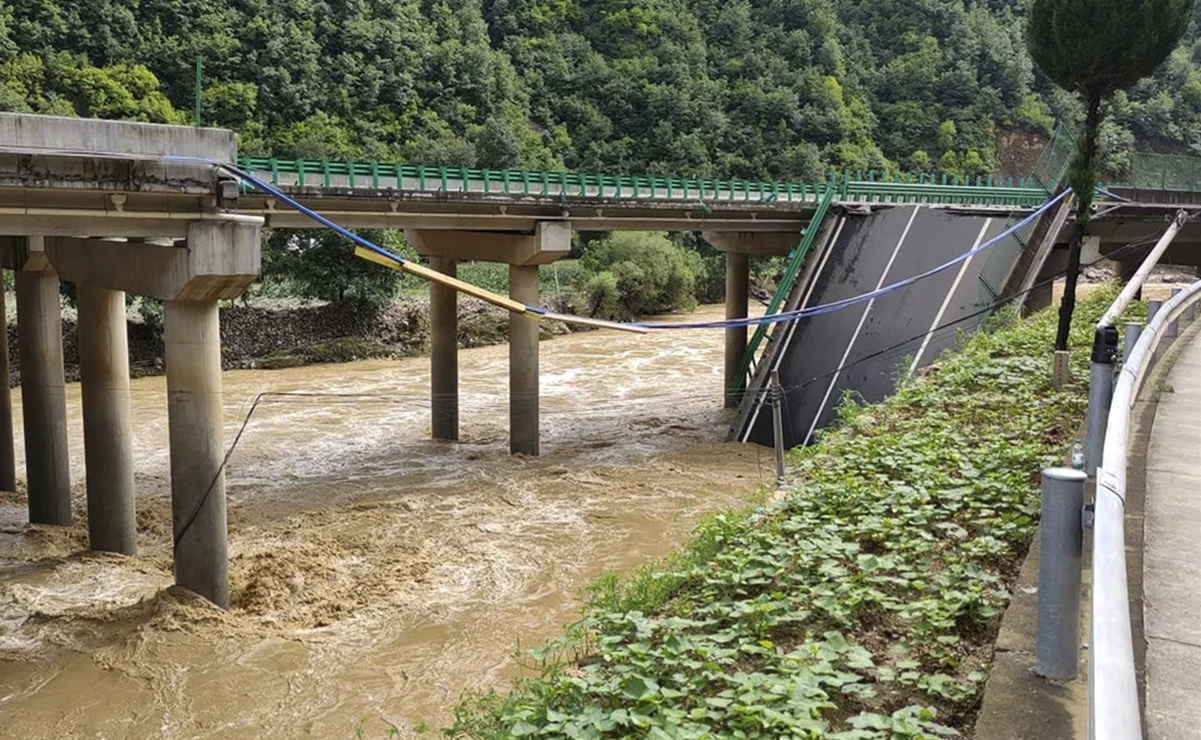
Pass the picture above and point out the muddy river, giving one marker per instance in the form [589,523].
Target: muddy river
[375,574]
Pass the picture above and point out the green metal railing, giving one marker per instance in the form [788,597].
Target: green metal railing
[1147,170]
[747,366]
[871,187]
[1172,172]
[374,175]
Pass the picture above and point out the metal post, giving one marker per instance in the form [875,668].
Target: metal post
[777,421]
[1133,331]
[1173,326]
[199,88]
[1153,307]
[1057,646]
[1100,394]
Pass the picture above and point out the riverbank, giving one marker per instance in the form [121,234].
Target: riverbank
[276,335]
[863,604]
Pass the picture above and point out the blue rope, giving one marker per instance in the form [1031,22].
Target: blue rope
[845,302]
[722,324]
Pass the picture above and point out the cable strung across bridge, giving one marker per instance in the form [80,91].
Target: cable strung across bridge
[375,253]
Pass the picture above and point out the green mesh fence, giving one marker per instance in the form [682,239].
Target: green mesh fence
[1052,166]
[1165,172]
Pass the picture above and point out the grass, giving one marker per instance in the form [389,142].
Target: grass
[861,606]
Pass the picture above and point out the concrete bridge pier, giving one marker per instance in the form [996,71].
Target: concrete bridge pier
[523,364]
[738,275]
[220,258]
[738,247]
[43,396]
[444,353]
[8,461]
[524,253]
[107,430]
[192,335]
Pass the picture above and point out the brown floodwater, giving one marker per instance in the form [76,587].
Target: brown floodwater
[375,574]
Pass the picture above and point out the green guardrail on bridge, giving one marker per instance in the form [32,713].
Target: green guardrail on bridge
[747,366]
[871,187]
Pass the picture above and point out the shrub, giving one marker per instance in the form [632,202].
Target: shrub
[651,275]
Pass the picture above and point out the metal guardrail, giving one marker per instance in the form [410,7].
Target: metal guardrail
[749,363]
[859,187]
[1113,687]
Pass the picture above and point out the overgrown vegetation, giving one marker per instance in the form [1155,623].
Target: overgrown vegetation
[631,274]
[862,606]
[621,275]
[727,88]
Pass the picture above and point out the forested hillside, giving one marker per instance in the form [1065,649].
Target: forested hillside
[736,88]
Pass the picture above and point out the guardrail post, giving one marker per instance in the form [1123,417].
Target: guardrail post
[1173,326]
[1057,646]
[1133,331]
[1152,309]
[1100,394]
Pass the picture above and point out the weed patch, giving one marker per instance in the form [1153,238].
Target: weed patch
[860,606]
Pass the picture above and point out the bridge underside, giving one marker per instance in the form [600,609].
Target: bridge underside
[864,349]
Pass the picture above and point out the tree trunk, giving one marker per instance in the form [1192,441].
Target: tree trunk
[1084,182]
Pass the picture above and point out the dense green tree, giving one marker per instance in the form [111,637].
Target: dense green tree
[774,89]
[1095,48]
[317,263]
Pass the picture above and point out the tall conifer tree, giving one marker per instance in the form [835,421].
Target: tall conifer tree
[1095,48]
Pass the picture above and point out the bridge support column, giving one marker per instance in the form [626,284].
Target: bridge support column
[444,353]
[193,353]
[107,431]
[737,289]
[43,397]
[8,462]
[523,363]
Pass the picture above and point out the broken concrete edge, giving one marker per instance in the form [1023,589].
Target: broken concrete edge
[25,131]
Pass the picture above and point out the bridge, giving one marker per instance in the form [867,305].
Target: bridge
[166,212]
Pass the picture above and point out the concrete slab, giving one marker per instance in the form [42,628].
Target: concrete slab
[1172,555]
[1173,706]
[55,133]
[1022,706]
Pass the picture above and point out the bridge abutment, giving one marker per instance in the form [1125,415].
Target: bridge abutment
[107,429]
[43,397]
[192,336]
[444,353]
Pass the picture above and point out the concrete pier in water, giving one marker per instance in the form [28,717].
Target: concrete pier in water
[523,363]
[192,335]
[107,434]
[43,397]
[444,353]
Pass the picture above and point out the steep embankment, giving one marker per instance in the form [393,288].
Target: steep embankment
[862,605]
